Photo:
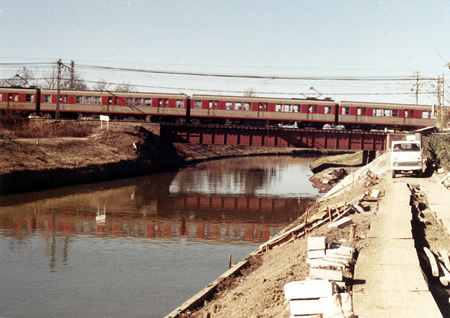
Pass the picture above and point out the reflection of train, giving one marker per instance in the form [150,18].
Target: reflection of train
[218,109]
[153,228]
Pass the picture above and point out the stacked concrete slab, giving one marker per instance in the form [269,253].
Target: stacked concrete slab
[316,298]
[327,263]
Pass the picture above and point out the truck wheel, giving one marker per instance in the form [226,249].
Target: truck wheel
[393,173]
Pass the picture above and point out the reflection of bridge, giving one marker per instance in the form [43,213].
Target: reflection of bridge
[255,209]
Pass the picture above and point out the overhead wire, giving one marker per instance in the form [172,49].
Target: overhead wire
[377,84]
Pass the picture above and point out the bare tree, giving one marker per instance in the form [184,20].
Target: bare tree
[23,78]
[125,87]
[101,85]
[51,78]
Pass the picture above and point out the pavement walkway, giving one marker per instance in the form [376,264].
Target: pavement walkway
[438,201]
[388,280]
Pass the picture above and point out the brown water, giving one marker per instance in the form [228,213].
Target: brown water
[140,247]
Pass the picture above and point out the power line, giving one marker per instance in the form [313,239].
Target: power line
[310,78]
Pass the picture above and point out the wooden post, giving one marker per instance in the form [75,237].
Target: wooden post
[329,214]
[352,232]
[306,222]
[229,260]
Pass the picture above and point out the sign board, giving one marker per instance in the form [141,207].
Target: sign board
[102,119]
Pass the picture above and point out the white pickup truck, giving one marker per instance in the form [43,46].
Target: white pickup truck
[406,156]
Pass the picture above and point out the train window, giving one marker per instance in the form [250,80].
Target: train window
[129,101]
[296,108]
[16,97]
[88,100]
[160,102]
[29,98]
[247,106]
[263,106]
[198,104]
[138,101]
[358,111]
[147,101]
[278,107]
[328,110]
[0,97]
[406,113]
[411,113]
[394,112]
[287,108]
[386,112]
[66,99]
[97,100]
[166,102]
[213,104]
[425,114]
[345,110]
[312,109]
[47,98]
[229,105]
[179,103]
[78,99]
[378,112]
[238,106]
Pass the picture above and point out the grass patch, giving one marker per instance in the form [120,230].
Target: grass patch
[16,124]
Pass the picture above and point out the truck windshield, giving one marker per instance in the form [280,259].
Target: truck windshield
[406,147]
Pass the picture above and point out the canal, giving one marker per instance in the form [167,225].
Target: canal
[140,247]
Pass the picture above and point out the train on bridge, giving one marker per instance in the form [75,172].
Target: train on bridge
[217,109]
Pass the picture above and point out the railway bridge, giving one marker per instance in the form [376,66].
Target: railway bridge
[273,137]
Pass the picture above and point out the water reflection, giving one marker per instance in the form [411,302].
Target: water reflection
[169,234]
[221,201]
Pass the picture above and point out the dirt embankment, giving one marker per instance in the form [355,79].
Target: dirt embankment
[125,150]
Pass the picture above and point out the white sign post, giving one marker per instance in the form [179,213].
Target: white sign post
[102,119]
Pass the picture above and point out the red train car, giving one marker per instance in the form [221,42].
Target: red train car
[364,115]
[260,110]
[81,103]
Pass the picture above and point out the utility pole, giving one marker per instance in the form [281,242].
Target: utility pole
[417,87]
[58,85]
[72,74]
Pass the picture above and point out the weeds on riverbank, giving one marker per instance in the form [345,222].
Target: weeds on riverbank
[15,124]
[439,147]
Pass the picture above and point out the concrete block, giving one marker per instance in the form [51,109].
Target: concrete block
[316,254]
[375,194]
[324,262]
[317,243]
[309,289]
[340,224]
[310,307]
[323,273]
[341,250]
[341,307]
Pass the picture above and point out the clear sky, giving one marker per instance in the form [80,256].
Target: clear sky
[317,38]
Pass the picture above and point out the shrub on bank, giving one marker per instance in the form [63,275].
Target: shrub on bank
[439,147]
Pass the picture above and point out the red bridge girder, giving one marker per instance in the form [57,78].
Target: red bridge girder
[273,137]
